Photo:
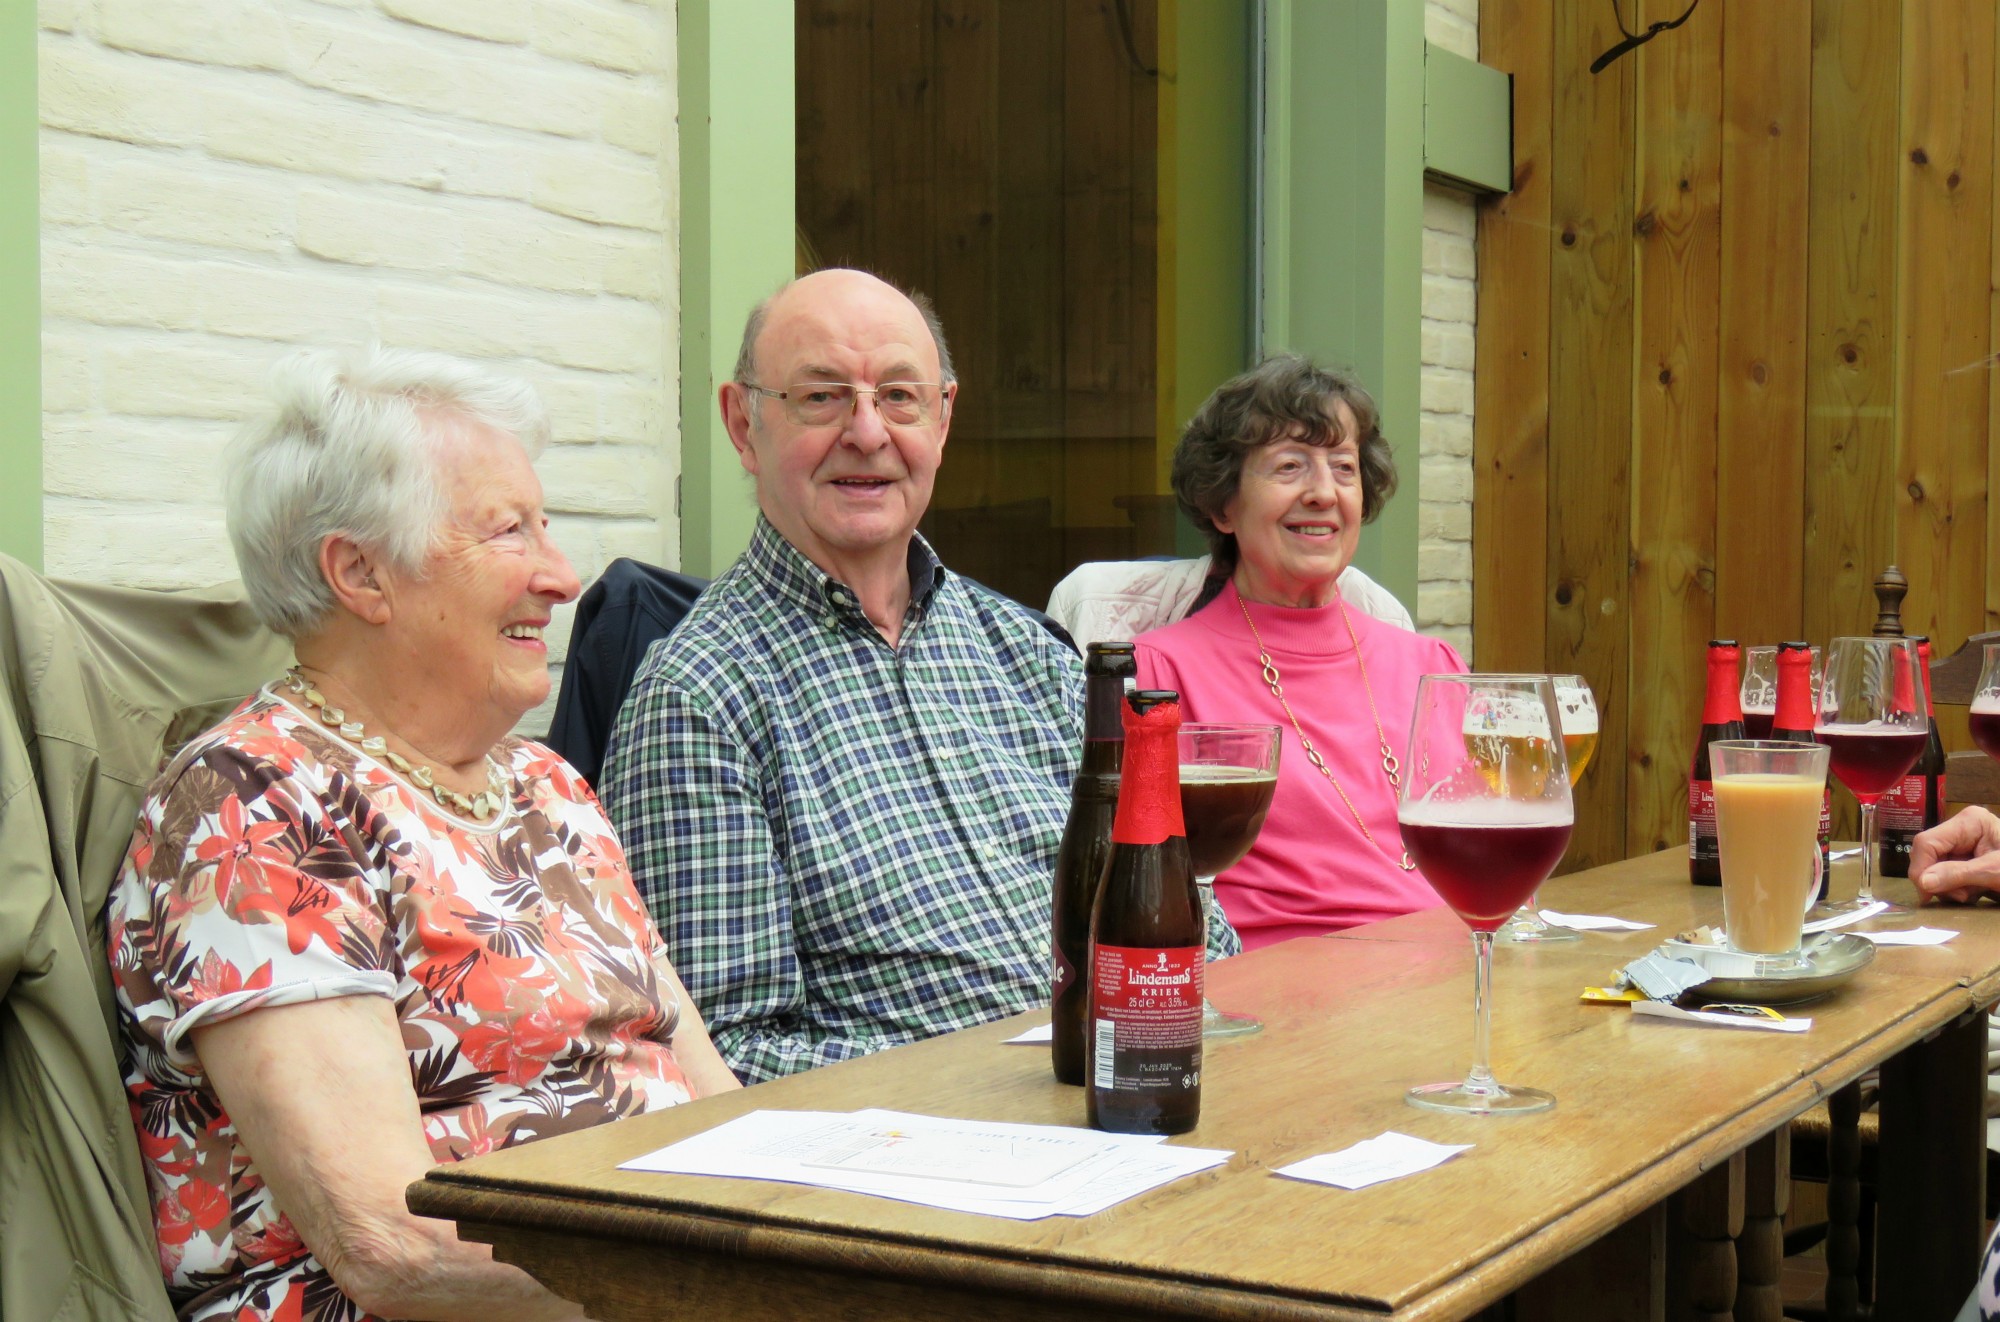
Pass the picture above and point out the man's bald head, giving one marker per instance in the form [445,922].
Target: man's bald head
[832,282]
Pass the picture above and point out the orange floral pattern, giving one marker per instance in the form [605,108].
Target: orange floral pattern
[275,863]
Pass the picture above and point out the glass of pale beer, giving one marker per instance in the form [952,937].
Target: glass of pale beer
[1767,801]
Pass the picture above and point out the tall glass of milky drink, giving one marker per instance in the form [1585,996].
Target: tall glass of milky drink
[1767,803]
[1485,812]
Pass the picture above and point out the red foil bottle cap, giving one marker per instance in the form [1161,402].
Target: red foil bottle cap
[1149,792]
[1723,701]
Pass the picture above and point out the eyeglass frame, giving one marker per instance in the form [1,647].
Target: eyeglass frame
[945,389]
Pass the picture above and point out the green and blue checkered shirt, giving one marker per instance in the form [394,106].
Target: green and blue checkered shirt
[849,846]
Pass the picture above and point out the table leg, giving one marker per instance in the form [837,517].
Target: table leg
[1843,1203]
[1932,1172]
[1619,1278]
[1701,1247]
[1760,1250]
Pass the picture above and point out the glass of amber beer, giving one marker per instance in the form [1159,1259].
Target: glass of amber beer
[1577,707]
[1767,801]
[1228,775]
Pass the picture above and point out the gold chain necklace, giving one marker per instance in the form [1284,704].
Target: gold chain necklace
[478,806]
[1391,768]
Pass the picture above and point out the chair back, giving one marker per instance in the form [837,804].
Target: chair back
[1970,777]
[1114,601]
[95,685]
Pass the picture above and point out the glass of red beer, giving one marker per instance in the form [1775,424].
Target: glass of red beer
[1486,813]
[1228,775]
[1984,716]
[1874,720]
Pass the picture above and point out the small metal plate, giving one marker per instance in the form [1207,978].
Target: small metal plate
[1831,959]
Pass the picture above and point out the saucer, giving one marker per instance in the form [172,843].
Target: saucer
[1831,959]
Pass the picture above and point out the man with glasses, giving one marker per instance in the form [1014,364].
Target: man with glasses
[842,780]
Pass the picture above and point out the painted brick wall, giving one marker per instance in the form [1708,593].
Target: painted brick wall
[223,179]
[1444,546]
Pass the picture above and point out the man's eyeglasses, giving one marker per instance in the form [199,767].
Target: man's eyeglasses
[818,403]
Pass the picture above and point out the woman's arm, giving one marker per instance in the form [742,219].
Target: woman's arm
[321,1094]
[701,1064]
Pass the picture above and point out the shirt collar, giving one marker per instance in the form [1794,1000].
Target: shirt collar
[785,569]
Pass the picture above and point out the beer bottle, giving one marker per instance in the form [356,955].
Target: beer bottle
[1146,949]
[1108,671]
[1915,804]
[1721,718]
[1793,722]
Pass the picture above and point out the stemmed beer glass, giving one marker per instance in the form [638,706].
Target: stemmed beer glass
[1577,707]
[1983,720]
[1874,717]
[1486,825]
[1228,775]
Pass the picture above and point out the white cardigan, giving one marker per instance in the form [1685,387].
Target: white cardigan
[1114,601]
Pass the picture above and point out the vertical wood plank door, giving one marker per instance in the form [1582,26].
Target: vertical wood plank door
[1738,327]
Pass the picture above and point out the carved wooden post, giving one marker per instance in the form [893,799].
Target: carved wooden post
[1767,1193]
[1843,1203]
[1890,589]
[1702,1254]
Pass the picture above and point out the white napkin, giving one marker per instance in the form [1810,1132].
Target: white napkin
[1590,922]
[1912,936]
[1389,1156]
[1863,914]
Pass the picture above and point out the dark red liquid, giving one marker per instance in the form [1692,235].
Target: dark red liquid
[1485,873]
[1757,724]
[1871,762]
[1986,731]
[1224,809]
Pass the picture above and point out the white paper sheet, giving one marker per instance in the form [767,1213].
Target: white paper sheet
[1848,919]
[1591,922]
[1711,1019]
[1911,936]
[1044,1035]
[938,1162]
[1389,1156]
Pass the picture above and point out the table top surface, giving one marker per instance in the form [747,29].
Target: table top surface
[1351,1021]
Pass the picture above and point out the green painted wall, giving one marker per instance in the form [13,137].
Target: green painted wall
[737,199]
[1344,222]
[20,289]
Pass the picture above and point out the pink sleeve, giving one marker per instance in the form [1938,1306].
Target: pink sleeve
[1156,668]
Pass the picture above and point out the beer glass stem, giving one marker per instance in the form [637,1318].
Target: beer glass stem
[1480,1080]
[1867,892]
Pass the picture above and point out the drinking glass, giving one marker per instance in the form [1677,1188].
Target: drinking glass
[1873,719]
[1767,804]
[1577,707]
[1486,813]
[1228,775]
[1984,716]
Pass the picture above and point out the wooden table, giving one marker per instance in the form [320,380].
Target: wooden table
[1645,1109]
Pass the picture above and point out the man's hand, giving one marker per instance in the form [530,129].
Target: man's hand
[1958,860]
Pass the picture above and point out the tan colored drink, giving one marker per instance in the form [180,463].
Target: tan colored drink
[1580,747]
[1767,801]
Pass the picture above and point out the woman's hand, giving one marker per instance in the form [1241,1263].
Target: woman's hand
[320,1093]
[1959,859]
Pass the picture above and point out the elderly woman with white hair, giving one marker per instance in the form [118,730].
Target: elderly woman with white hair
[363,930]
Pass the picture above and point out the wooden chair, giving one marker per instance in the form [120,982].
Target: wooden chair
[1970,776]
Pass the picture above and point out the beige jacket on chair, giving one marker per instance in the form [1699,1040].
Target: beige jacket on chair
[94,683]
[1114,601]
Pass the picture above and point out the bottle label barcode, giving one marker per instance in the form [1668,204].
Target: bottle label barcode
[1102,1069]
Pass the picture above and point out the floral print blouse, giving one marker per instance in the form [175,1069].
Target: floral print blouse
[275,863]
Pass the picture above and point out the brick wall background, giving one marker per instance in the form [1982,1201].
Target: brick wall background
[1444,546]
[222,179]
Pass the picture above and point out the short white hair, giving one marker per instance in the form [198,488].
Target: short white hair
[347,449]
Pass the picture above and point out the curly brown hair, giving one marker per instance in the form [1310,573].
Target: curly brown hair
[1285,396]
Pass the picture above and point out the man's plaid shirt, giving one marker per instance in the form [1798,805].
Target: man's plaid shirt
[846,845]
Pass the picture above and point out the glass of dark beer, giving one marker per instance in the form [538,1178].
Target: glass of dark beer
[1228,775]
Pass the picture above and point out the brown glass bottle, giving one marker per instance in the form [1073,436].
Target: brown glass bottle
[1146,951]
[1916,804]
[1108,670]
[1721,718]
[1792,722]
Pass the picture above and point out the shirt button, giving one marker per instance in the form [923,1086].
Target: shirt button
[829,621]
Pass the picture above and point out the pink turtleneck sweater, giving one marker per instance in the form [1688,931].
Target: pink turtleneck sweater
[1312,871]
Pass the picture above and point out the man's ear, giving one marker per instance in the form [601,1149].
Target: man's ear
[351,574]
[737,402]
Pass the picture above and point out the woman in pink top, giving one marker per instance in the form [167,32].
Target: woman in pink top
[1280,468]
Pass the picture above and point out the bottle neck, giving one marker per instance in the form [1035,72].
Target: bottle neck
[1149,787]
[1795,708]
[1723,702]
[1930,695]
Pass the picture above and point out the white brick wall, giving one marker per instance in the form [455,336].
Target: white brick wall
[223,179]
[1444,532]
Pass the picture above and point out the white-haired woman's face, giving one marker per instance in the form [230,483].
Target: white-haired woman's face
[471,625]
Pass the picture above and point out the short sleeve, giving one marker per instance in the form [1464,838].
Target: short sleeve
[240,894]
